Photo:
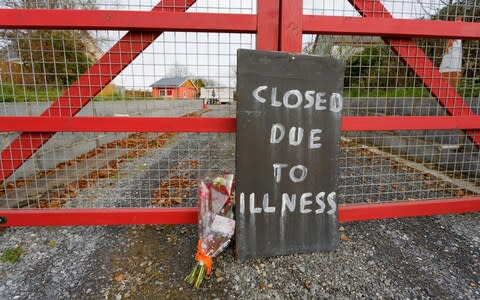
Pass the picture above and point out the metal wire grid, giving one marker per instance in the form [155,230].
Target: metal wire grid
[133,170]
[401,165]
[383,166]
[329,8]
[467,10]
[210,57]
[45,62]
[211,6]
[143,170]
[375,168]
[378,82]
[121,169]
[139,170]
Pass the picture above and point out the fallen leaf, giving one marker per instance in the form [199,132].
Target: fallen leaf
[307,284]
[119,277]
[102,174]
[344,237]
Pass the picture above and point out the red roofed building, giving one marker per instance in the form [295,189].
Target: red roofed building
[174,88]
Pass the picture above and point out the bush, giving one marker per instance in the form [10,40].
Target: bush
[11,255]
[386,92]
[11,93]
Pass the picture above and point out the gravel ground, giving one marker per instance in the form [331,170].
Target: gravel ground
[434,257]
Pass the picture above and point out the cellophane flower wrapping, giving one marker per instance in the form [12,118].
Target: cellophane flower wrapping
[216,224]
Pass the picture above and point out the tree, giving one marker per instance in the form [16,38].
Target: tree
[178,70]
[325,45]
[55,57]
[376,65]
[369,64]
[199,83]
[468,11]
[51,57]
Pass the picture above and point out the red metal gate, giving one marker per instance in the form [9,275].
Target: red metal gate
[278,25]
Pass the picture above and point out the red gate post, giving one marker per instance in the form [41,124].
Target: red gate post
[268,19]
[291,25]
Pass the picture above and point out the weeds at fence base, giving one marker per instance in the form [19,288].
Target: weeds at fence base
[11,255]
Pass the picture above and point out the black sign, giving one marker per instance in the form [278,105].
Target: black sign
[288,131]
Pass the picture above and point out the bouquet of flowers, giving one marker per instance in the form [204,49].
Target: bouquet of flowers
[216,225]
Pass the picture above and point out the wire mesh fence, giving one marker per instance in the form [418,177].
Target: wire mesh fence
[40,65]
[175,74]
[374,71]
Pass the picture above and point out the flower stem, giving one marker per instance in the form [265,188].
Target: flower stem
[200,276]
[191,277]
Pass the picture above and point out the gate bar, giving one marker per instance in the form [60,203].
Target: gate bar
[411,208]
[98,216]
[217,22]
[268,18]
[291,13]
[389,27]
[126,20]
[163,124]
[188,215]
